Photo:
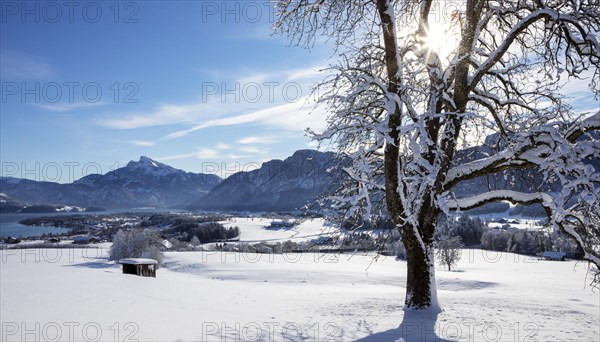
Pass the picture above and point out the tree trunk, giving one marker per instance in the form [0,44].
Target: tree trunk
[421,292]
[420,287]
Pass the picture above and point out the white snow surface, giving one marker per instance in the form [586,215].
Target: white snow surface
[215,296]
[254,230]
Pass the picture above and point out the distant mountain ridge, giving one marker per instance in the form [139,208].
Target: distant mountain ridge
[278,185]
[142,183]
[8,205]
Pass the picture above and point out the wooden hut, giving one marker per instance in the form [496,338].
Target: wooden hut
[140,267]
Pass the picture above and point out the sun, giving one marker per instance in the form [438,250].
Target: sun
[443,37]
[437,41]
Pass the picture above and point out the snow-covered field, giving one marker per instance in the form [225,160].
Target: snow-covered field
[77,295]
[253,230]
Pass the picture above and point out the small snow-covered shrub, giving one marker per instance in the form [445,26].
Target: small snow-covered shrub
[263,249]
[288,246]
[195,241]
[136,243]
[230,247]
[178,245]
[153,252]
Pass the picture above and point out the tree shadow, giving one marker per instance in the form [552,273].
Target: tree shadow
[416,326]
[464,285]
[94,264]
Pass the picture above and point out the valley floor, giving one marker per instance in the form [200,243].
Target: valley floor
[79,295]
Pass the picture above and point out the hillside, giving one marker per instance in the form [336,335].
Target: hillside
[278,185]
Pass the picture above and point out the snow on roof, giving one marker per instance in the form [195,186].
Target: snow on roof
[138,261]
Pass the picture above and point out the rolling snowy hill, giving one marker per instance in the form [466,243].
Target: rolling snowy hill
[216,296]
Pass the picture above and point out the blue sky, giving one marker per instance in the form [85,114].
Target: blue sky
[203,86]
[89,86]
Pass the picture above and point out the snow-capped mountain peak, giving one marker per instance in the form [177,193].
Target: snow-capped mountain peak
[147,161]
[140,183]
[149,166]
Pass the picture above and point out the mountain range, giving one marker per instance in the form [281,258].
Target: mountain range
[278,185]
[142,183]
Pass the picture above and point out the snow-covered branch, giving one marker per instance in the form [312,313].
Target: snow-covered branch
[513,197]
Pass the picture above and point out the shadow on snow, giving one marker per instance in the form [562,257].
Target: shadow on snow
[416,326]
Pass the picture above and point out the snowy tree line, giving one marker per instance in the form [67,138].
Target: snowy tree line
[203,232]
[529,242]
[469,229]
[169,219]
[474,232]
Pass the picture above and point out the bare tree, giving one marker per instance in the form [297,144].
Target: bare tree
[401,106]
[136,243]
[449,250]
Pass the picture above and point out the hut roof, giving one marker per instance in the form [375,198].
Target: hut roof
[138,261]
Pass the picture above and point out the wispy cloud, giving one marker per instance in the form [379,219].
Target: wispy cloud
[163,115]
[21,65]
[222,146]
[307,75]
[255,32]
[290,116]
[176,157]
[253,149]
[257,140]
[203,154]
[207,153]
[142,143]
[65,107]
[313,72]
[279,112]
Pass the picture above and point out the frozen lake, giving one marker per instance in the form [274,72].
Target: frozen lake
[10,226]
